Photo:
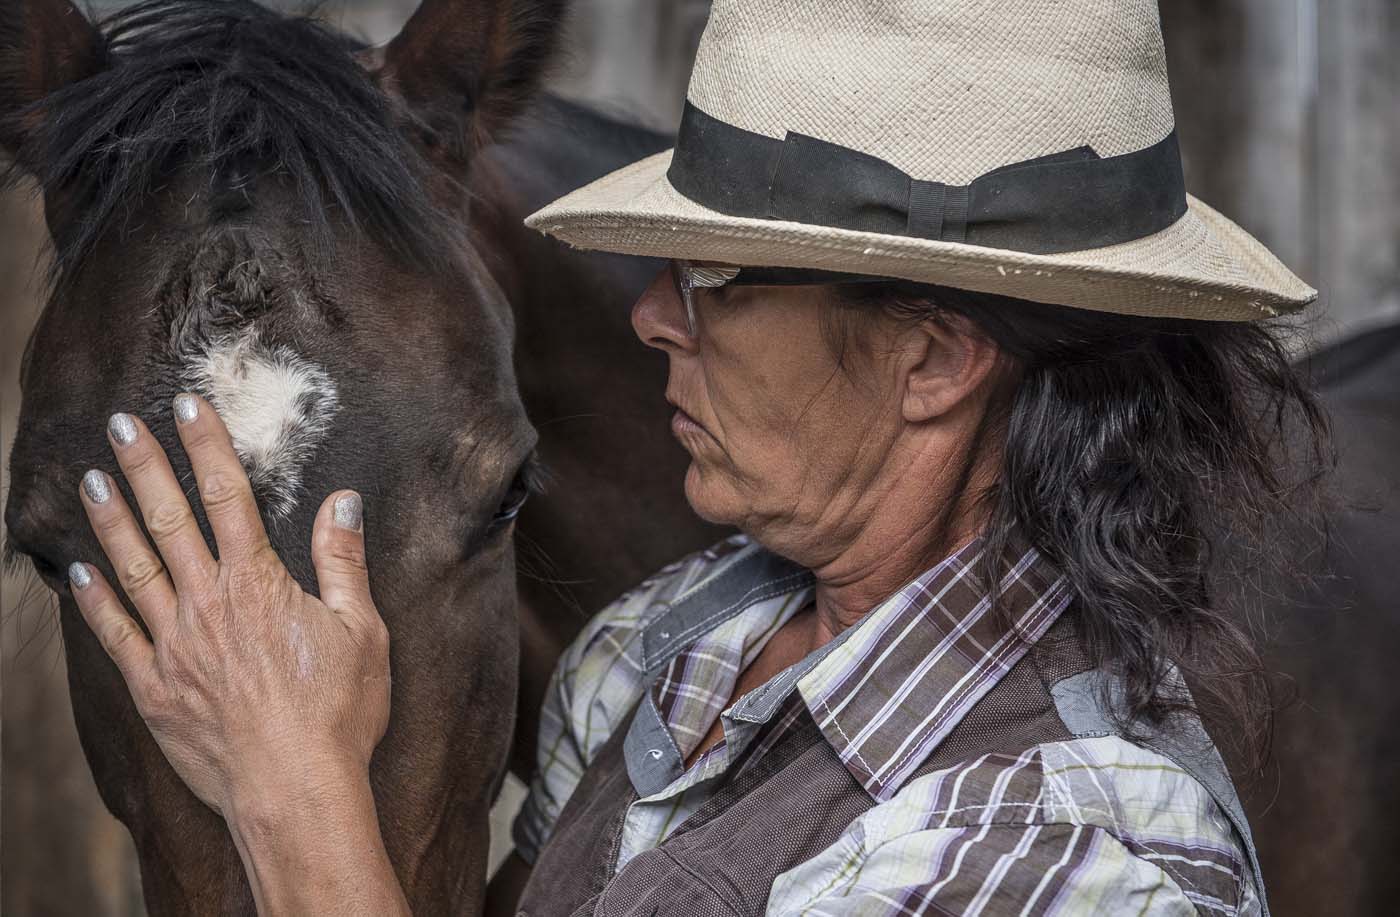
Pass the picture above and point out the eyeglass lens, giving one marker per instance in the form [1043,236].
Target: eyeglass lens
[685,288]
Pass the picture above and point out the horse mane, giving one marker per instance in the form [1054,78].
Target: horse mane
[241,92]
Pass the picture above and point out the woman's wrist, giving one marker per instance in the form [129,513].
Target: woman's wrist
[273,788]
[271,801]
[310,841]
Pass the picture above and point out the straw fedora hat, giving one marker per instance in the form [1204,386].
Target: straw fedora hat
[1025,148]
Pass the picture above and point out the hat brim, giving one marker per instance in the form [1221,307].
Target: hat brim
[1202,267]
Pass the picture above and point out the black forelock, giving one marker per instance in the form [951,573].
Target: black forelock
[240,92]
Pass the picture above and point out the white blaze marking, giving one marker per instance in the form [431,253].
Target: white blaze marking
[277,405]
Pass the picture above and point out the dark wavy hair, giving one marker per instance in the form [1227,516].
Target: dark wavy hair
[1133,449]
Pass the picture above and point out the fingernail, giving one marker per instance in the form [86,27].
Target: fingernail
[349,511]
[78,575]
[96,487]
[123,429]
[186,407]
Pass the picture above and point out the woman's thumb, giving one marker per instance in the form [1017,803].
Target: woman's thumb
[338,552]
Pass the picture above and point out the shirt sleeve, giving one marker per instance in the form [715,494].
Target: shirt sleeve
[559,764]
[597,679]
[595,684]
[1049,870]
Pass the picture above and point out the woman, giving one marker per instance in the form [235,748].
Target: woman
[979,384]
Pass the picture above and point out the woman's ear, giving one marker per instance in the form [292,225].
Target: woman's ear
[950,363]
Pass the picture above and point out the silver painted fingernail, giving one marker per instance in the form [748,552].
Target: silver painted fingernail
[186,407]
[78,575]
[123,429]
[96,486]
[349,511]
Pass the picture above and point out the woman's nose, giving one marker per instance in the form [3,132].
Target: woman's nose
[659,316]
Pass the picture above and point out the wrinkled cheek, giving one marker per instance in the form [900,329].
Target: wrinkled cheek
[750,416]
[837,452]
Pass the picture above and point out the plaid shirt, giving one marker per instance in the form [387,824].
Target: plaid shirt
[1073,827]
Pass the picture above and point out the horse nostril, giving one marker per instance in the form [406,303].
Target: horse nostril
[17,551]
[45,567]
[35,533]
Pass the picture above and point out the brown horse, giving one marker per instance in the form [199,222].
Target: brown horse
[326,242]
[1327,813]
[614,509]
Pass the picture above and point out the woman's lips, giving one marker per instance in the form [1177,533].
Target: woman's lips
[684,426]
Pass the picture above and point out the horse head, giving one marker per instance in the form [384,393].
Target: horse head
[251,206]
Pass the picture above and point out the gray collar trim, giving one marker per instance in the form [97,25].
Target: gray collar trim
[749,579]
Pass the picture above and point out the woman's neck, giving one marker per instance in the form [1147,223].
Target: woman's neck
[857,582]
[926,502]
[896,544]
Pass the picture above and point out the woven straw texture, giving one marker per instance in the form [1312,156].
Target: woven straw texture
[947,90]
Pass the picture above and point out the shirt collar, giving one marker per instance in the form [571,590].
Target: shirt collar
[912,668]
[739,581]
[887,691]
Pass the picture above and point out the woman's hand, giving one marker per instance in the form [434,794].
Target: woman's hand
[255,690]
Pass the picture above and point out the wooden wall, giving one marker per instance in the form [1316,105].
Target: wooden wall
[1289,112]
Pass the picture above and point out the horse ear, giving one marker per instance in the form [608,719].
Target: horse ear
[467,67]
[44,46]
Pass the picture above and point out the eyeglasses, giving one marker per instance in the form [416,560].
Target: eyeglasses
[689,277]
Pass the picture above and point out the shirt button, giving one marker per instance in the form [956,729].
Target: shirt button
[654,754]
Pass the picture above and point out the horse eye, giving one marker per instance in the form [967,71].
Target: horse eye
[521,486]
[514,501]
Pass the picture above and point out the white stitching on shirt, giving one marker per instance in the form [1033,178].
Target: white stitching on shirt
[767,591]
[664,728]
[831,715]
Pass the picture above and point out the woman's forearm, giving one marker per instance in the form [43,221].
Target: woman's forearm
[317,849]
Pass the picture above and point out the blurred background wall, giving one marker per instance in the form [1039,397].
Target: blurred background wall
[1289,113]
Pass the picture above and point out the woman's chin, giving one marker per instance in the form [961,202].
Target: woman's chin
[709,498]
